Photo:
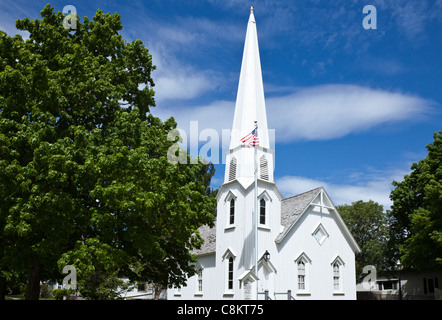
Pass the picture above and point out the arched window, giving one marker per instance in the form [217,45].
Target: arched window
[228,259]
[232,169]
[336,281]
[262,211]
[301,275]
[200,280]
[232,211]
[337,266]
[230,275]
[263,168]
[303,263]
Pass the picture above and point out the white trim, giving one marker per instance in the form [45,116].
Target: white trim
[229,252]
[230,195]
[341,224]
[268,265]
[303,256]
[321,228]
[265,195]
[248,274]
[268,200]
[289,228]
[227,200]
[338,260]
[307,262]
[199,292]
[247,185]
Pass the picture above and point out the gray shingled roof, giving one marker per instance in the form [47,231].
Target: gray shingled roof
[209,236]
[291,208]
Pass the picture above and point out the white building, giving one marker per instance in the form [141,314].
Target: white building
[305,250]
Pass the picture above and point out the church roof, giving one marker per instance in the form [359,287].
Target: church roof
[209,236]
[291,209]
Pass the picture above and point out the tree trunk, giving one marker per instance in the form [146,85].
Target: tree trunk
[33,289]
[158,290]
[2,288]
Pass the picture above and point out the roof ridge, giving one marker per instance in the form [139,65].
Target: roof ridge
[300,194]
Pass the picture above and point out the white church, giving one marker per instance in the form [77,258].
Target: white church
[264,246]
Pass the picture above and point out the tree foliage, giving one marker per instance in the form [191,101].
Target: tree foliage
[369,226]
[84,174]
[416,212]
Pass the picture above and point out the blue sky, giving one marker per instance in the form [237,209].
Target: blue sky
[352,108]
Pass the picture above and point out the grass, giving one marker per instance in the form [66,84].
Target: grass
[22,297]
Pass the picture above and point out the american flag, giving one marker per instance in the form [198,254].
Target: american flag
[251,139]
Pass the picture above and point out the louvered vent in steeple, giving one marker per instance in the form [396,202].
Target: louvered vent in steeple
[263,168]
[232,169]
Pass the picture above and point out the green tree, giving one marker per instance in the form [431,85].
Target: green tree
[416,232]
[369,226]
[84,174]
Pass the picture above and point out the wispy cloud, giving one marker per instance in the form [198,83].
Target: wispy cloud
[333,111]
[412,19]
[183,49]
[218,115]
[178,81]
[364,186]
[316,113]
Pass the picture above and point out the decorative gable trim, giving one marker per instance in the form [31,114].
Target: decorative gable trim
[229,196]
[247,185]
[338,260]
[268,265]
[323,201]
[287,230]
[320,234]
[248,274]
[198,265]
[303,257]
[265,195]
[229,253]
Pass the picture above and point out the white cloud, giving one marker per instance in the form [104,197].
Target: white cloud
[177,81]
[367,186]
[177,44]
[333,111]
[178,84]
[315,113]
[218,115]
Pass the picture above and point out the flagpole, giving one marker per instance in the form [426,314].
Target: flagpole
[256,212]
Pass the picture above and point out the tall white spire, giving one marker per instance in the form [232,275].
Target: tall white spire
[250,103]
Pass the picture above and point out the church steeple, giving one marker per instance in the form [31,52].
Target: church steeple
[250,103]
[249,203]
[250,110]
